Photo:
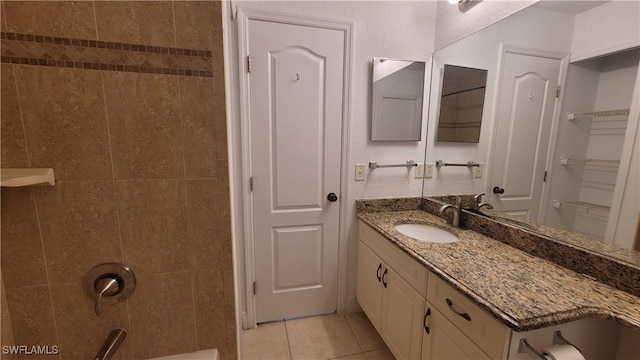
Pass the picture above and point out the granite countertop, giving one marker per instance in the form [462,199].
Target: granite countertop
[523,291]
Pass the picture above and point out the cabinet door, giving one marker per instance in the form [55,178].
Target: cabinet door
[444,341]
[369,288]
[402,311]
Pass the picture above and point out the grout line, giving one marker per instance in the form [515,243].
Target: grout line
[286,333]
[46,267]
[113,172]
[24,129]
[95,19]
[354,333]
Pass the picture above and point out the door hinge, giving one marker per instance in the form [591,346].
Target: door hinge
[249,63]
[558,91]
[545,176]
[254,288]
[251,183]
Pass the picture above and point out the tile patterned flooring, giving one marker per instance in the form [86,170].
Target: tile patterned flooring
[334,336]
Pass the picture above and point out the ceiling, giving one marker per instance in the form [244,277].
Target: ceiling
[568,6]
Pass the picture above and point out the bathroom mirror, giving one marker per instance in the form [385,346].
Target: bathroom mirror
[591,83]
[461,104]
[398,89]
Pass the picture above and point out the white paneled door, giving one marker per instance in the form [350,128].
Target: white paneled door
[525,113]
[296,108]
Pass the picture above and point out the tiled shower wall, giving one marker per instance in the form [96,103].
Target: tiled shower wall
[125,101]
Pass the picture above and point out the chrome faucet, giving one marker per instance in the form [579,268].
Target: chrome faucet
[456,211]
[478,204]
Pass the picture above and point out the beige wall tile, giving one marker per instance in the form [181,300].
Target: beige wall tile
[35,323]
[21,246]
[136,22]
[199,126]
[65,123]
[221,127]
[201,223]
[153,221]
[230,314]
[145,124]
[14,149]
[218,71]
[2,17]
[162,315]
[208,287]
[79,227]
[74,19]
[224,199]
[6,330]
[197,24]
[81,332]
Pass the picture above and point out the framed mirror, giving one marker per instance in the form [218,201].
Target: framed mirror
[398,91]
[461,104]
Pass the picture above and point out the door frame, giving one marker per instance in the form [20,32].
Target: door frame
[505,49]
[244,15]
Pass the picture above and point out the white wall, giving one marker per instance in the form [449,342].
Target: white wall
[453,25]
[392,29]
[607,28]
[481,50]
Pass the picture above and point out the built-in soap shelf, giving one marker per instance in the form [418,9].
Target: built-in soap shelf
[596,164]
[16,177]
[582,207]
[605,122]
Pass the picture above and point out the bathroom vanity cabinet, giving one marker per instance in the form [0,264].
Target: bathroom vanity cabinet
[417,314]
[478,298]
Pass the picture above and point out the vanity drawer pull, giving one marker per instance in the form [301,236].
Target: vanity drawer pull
[461,314]
[384,277]
[424,321]
[378,272]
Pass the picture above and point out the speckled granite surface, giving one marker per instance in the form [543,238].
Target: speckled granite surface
[609,264]
[523,291]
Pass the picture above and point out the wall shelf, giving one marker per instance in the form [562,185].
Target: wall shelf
[611,165]
[16,177]
[582,207]
[604,115]
[606,122]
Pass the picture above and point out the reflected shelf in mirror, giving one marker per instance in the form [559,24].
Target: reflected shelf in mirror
[593,128]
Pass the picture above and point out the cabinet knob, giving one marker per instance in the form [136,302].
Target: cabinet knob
[332,197]
[498,190]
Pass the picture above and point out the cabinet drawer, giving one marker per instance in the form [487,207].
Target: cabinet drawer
[404,265]
[484,330]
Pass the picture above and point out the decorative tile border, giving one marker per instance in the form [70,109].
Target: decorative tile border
[41,50]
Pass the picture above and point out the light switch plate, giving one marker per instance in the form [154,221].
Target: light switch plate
[360,172]
[419,174]
[477,171]
[428,170]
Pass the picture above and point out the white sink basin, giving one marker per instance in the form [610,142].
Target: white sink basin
[427,233]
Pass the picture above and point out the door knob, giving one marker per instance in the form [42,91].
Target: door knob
[332,197]
[498,190]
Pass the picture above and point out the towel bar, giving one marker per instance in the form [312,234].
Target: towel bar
[409,164]
[440,163]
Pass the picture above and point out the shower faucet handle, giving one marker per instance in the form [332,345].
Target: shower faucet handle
[108,286]
[109,283]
